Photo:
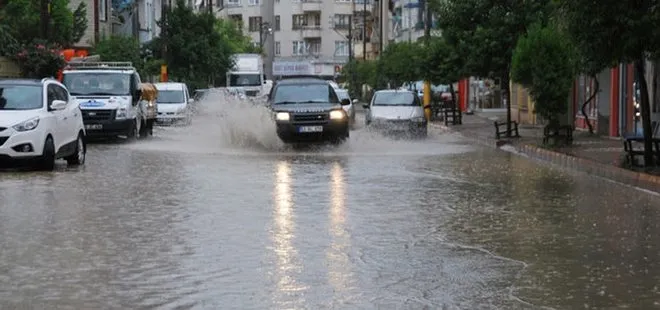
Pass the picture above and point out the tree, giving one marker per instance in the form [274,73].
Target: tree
[23,17]
[443,64]
[119,48]
[618,32]
[232,34]
[543,62]
[485,33]
[401,62]
[198,62]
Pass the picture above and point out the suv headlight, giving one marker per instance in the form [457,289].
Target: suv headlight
[121,113]
[283,116]
[337,115]
[27,125]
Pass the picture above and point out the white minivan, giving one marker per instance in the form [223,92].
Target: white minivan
[174,104]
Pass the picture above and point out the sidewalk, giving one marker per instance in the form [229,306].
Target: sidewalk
[600,156]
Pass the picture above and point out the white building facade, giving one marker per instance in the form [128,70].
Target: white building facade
[304,31]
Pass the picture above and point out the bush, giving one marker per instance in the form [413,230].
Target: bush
[39,59]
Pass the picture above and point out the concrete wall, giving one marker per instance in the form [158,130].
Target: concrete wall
[105,20]
[8,68]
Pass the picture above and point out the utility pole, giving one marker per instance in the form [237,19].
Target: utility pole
[268,17]
[428,20]
[364,30]
[165,34]
[211,6]
[351,56]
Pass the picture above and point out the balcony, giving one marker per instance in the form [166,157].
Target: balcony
[311,32]
[311,5]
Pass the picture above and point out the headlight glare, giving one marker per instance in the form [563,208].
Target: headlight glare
[27,125]
[282,116]
[337,114]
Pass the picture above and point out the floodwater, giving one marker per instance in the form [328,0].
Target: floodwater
[220,215]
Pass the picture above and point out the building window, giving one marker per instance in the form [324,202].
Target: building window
[230,3]
[238,20]
[277,23]
[341,48]
[313,47]
[103,13]
[299,48]
[299,21]
[278,48]
[342,21]
[254,23]
[254,2]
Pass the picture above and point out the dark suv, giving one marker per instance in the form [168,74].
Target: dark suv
[307,109]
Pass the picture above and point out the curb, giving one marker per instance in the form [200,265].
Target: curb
[617,174]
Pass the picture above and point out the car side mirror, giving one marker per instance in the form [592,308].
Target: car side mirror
[345,102]
[355,101]
[366,106]
[191,100]
[137,94]
[58,105]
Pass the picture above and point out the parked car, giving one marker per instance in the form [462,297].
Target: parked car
[39,123]
[174,104]
[396,111]
[350,109]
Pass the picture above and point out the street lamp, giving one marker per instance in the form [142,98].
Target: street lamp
[264,30]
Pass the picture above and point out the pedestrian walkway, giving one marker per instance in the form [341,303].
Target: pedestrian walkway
[602,156]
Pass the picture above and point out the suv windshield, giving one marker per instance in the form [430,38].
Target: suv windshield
[305,93]
[395,99]
[170,96]
[20,97]
[98,83]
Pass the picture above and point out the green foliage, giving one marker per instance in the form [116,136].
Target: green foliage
[365,74]
[39,59]
[119,48]
[442,63]
[402,62]
[195,55]
[8,44]
[23,18]
[485,33]
[543,62]
[232,34]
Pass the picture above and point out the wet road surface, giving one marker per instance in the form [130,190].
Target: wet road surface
[220,216]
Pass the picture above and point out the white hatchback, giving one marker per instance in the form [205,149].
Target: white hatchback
[174,104]
[39,123]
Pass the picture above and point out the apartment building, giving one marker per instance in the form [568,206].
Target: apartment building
[408,20]
[99,20]
[138,18]
[304,31]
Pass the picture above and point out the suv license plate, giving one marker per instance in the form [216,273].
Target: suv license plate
[94,127]
[310,129]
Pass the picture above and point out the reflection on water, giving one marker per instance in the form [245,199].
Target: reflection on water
[339,274]
[288,265]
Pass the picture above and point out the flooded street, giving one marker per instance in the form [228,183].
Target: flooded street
[222,216]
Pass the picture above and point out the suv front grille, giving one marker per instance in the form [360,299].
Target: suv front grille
[251,93]
[97,115]
[310,118]
[3,140]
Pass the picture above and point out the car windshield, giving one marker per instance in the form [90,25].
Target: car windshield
[305,93]
[342,94]
[170,96]
[108,84]
[245,80]
[20,97]
[395,99]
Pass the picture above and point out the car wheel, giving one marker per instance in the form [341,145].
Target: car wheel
[47,159]
[78,157]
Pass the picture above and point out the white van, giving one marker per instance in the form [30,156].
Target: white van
[174,104]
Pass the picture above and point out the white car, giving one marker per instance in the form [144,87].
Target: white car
[350,109]
[39,123]
[174,104]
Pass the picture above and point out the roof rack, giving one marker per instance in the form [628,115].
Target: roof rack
[83,64]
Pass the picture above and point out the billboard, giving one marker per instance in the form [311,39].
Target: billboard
[292,68]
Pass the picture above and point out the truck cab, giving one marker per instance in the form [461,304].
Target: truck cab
[247,74]
[109,96]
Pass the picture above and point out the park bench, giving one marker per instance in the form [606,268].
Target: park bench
[631,140]
[452,114]
[503,132]
[558,133]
